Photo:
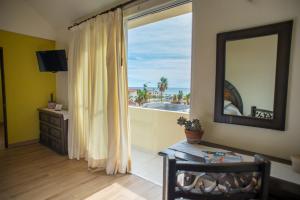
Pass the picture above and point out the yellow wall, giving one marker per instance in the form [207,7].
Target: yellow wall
[26,88]
[1,103]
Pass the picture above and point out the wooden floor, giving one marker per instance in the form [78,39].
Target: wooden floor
[35,172]
[2,143]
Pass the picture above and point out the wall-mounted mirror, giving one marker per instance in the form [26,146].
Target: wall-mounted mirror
[252,76]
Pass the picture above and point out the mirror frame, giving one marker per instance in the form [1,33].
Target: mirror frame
[284,31]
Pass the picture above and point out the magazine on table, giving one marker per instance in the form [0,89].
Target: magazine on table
[211,157]
[221,157]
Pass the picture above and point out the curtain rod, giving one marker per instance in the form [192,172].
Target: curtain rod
[101,13]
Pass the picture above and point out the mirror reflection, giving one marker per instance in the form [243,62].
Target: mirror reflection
[250,70]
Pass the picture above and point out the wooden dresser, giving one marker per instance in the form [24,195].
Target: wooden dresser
[54,130]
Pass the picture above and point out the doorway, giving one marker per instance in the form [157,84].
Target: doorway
[3,121]
[159,77]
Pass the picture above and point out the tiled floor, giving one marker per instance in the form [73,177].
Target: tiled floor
[147,165]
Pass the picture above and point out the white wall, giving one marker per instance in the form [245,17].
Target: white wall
[213,16]
[62,42]
[17,16]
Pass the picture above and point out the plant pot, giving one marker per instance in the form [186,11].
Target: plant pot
[193,137]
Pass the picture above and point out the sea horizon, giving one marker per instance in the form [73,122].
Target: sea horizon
[169,91]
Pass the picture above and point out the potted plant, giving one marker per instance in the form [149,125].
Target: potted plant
[193,129]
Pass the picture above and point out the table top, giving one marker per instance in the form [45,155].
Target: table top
[64,113]
[194,152]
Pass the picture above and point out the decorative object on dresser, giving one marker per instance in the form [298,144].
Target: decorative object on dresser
[58,107]
[193,129]
[54,129]
[51,103]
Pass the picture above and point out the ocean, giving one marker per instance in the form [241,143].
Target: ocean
[169,91]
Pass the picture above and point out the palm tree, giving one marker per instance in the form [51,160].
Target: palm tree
[146,92]
[162,86]
[140,99]
[174,98]
[187,98]
[142,95]
[180,96]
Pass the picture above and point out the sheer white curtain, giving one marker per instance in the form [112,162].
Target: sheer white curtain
[97,83]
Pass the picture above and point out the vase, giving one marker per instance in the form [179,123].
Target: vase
[193,137]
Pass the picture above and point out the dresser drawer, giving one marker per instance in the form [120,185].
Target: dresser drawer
[44,128]
[56,146]
[44,117]
[43,139]
[56,121]
[55,133]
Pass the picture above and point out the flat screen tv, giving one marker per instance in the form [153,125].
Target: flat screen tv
[52,61]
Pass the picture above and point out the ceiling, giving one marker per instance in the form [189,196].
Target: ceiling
[62,13]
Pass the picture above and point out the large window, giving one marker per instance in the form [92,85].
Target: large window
[159,62]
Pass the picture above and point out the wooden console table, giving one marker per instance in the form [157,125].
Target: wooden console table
[284,182]
[54,129]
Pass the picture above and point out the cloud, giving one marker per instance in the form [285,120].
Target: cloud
[161,49]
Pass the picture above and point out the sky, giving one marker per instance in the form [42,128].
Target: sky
[161,49]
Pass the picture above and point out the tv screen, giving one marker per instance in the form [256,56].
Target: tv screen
[52,61]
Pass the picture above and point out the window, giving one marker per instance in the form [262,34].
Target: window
[159,60]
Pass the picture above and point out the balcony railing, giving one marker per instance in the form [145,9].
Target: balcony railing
[153,130]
